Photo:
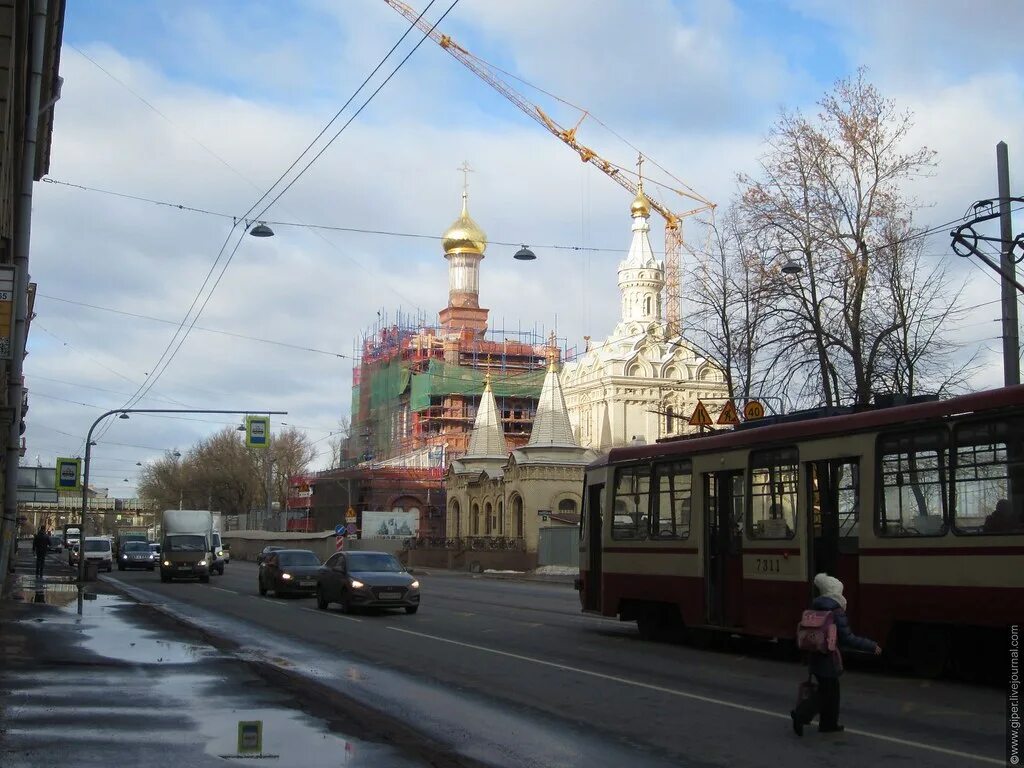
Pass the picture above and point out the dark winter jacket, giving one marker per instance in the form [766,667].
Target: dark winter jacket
[824,664]
[40,544]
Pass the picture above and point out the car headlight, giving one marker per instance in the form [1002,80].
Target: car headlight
[124,557]
[201,563]
[167,563]
[220,554]
[286,576]
[414,585]
[356,584]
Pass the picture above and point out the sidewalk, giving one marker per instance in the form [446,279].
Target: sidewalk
[125,685]
[546,578]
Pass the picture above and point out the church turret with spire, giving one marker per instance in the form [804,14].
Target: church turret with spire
[642,382]
[464,244]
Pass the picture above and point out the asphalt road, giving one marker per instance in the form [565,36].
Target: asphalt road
[525,648]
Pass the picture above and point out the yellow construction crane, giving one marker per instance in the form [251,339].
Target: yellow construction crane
[673,220]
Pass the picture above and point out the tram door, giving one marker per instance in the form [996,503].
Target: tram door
[833,522]
[723,558]
[594,529]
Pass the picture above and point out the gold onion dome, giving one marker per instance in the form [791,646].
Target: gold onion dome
[640,206]
[465,235]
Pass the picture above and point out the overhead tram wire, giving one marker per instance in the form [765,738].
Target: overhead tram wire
[159,369]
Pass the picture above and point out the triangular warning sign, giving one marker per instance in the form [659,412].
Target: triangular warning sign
[729,414]
[700,417]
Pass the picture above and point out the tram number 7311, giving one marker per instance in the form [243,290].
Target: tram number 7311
[767,565]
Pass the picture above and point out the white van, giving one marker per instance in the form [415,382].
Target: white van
[98,550]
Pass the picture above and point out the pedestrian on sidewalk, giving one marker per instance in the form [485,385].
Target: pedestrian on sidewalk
[827,667]
[40,545]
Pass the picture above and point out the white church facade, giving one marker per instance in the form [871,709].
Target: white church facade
[642,382]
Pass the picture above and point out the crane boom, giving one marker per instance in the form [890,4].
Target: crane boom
[673,221]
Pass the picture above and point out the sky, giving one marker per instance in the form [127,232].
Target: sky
[205,104]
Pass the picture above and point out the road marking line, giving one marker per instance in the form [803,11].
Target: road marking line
[229,591]
[695,696]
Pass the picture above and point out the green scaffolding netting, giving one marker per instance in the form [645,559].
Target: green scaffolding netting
[387,383]
[442,378]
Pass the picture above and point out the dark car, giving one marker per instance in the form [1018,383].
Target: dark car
[136,554]
[266,551]
[289,571]
[366,580]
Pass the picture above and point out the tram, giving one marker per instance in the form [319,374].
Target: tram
[917,508]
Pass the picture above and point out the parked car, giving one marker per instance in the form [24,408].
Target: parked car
[266,551]
[366,580]
[289,571]
[56,542]
[98,549]
[136,554]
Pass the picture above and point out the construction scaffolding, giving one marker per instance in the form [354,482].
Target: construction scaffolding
[416,388]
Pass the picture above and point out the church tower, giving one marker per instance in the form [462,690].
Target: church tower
[641,276]
[464,244]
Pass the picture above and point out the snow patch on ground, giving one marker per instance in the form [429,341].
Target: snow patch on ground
[557,570]
[491,570]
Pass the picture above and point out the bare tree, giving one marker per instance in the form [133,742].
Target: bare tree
[339,443]
[292,453]
[829,196]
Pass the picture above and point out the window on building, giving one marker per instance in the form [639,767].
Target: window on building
[476,520]
[454,519]
[488,519]
[669,419]
[913,484]
[567,507]
[773,482]
[647,306]
[988,477]
[517,515]
[632,502]
[670,517]
[501,518]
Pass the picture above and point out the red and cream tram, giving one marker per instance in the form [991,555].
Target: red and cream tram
[918,509]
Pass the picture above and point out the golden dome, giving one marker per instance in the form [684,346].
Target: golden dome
[465,235]
[640,206]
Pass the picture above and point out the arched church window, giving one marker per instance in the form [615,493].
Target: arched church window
[669,418]
[567,506]
[476,520]
[647,305]
[487,519]
[453,518]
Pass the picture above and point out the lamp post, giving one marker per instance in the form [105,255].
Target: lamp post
[85,471]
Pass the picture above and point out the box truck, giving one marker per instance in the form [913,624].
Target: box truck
[185,549]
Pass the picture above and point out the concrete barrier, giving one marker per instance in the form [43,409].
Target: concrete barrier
[246,545]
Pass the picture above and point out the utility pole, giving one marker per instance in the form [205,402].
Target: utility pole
[1011,342]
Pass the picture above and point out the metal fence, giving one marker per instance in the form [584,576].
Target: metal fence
[559,546]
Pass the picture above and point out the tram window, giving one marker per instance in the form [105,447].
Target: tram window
[632,502]
[988,476]
[913,482]
[773,480]
[835,490]
[670,518]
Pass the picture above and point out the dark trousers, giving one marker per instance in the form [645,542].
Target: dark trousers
[40,561]
[825,704]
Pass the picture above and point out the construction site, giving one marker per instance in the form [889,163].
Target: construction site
[416,388]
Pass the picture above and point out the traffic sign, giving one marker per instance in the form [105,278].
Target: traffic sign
[753,410]
[339,529]
[700,417]
[250,737]
[729,414]
[352,529]
[350,515]
[68,475]
[257,431]
[7,291]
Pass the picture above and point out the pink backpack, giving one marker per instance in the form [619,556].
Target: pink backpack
[816,632]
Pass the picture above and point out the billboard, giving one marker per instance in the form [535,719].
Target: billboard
[390,525]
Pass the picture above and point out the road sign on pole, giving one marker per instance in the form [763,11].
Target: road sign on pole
[257,431]
[250,737]
[339,529]
[700,417]
[753,410]
[68,475]
[729,414]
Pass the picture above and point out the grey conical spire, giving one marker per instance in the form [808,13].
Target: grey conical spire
[488,438]
[551,427]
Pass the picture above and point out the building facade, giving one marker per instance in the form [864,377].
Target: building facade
[643,382]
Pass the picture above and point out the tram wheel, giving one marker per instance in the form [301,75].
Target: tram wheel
[929,650]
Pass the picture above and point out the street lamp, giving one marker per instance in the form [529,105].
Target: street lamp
[524,254]
[792,267]
[261,230]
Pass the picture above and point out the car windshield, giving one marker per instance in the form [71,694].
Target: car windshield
[367,562]
[186,543]
[298,558]
[136,546]
[97,546]
[154,547]
[216,539]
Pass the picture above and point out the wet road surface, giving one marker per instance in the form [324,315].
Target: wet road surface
[124,685]
[512,674]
